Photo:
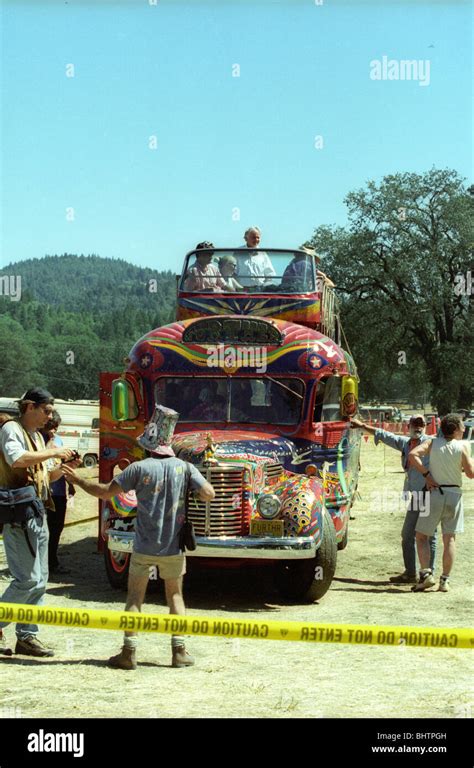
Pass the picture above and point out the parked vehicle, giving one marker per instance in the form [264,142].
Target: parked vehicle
[380,413]
[79,429]
[264,407]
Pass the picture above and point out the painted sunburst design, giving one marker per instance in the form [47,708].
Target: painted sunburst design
[263,307]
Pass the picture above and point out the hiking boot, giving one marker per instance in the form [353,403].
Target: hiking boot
[126,659]
[4,649]
[181,658]
[443,584]
[403,578]
[31,646]
[425,581]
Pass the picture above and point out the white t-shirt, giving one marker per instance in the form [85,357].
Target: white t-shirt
[446,461]
[255,268]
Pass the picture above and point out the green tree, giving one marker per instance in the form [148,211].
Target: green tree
[19,367]
[401,264]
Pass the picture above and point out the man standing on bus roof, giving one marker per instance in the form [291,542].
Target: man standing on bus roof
[414,484]
[256,268]
[160,482]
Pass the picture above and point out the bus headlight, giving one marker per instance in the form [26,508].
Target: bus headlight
[268,505]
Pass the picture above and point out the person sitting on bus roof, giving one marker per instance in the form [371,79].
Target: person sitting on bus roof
[321,275]
[256,268]
[204,276]
[227,267]
[298,276]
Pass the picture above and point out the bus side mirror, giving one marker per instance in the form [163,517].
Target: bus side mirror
[120,410]
[349,396]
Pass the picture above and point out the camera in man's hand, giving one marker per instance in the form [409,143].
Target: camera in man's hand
[75,457]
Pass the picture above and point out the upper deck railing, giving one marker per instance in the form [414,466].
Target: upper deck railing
[273,282]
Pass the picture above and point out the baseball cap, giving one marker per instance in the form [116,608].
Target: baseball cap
[418,420]
[37,395]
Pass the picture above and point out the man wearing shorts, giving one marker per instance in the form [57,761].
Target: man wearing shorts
[160,483]
[448,455]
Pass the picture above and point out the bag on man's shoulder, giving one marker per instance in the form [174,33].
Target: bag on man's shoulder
[18,505]
[187,536]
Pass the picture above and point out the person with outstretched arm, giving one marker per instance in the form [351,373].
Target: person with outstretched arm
[160,483]
[25,479]
[414,485]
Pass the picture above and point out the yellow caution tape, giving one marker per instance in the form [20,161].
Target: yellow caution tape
[83,520]
[358,634]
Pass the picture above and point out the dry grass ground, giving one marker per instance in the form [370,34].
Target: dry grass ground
[252,678]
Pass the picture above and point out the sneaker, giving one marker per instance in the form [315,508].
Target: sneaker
[4,649]
[443,584]
[180,657]
[31,646]
[126,659]
[403,578]
[425,581]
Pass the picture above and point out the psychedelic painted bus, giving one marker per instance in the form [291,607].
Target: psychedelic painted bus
[264,408]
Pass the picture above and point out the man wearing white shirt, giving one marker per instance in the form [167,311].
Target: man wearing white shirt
[256,268]
[449,457]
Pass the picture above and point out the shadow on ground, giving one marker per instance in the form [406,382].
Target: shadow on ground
[244,589]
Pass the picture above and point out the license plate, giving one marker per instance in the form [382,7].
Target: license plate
[266,528]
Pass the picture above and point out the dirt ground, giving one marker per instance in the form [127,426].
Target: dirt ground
[258,678]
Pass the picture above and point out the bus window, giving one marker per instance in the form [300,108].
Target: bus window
[318,403]
[232,399]
[327,405]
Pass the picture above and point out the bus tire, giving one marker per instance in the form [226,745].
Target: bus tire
[343,543]
[116,567]
[295,579]
[89,460]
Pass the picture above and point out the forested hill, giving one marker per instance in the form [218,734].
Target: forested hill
[95,308]
[73,281]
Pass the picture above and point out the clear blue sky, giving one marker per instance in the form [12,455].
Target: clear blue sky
[223,142]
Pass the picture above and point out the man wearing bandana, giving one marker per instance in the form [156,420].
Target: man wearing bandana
[414,484]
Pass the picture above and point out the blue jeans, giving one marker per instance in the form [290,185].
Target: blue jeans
[30,574]
[408,541]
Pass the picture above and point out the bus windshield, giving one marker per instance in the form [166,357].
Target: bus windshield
[236,399]
[249,271]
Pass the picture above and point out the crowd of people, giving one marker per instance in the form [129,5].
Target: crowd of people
[29,511]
